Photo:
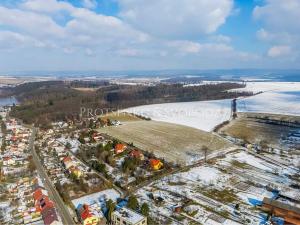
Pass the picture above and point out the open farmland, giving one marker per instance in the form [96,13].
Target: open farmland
[203,115]
[121,116]
[257,127]
[173,142]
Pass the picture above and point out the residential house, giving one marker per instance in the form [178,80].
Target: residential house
[119,148]
[75,171]
[97,137]
[156,164]
[137,154]
[86,215]
[50,217]
[289,213]
[68,162]
[7,161]
[128,217]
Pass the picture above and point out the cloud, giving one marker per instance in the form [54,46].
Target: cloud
[90,4]
[180,35]
[52,6]
[11,40]
[279,51]
[85,28]
[280,28]
[30,22]
[176,19]
[196,47]
[279,16]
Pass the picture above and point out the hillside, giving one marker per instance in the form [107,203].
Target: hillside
[42,102]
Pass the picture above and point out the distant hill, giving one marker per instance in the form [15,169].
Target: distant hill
[42,102]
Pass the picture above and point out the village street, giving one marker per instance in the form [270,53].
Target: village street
[61,208]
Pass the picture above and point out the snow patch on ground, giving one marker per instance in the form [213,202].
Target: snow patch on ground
[73,142]
[203,115]
[205,175]
[251,160]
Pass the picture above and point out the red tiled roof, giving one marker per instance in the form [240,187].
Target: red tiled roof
[49,215]
[135,153]
[37,194]
[67,159]
[154,162]
[6,158]
[85,212]
[119,147]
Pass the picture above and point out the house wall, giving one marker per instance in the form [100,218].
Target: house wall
[289,216]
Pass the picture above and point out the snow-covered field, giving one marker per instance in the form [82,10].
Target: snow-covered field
[270,87]
[277,98]
[287,103]
[203,115]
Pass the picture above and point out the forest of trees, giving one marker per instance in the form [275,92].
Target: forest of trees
[42,102]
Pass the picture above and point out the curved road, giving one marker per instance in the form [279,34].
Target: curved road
[54,195]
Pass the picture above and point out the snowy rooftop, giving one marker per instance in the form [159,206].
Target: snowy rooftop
[129,215]
[99,197]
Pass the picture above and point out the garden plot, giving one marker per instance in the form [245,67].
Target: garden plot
[213,191]
[205,188]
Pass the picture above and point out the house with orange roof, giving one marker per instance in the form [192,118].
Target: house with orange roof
[156,164]
[87,217]
[119,148]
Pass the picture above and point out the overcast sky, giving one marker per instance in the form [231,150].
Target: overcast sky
[148,34]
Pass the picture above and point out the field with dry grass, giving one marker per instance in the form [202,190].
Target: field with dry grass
[86,89]
[121,116]
[255,128]
[176,143]
[9,80]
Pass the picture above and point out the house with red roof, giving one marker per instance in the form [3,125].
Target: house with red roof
[137,154]
[50,217]
[119,148]
[87,217]
[156,164]
[39,193]
[68,162]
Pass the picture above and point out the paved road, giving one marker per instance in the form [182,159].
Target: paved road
[59,204]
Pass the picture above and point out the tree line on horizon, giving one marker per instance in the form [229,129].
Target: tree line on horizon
[48,101]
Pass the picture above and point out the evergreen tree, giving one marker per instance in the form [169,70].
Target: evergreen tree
[133,203]
[145,209]
[111,207]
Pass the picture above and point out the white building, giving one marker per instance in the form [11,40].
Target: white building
[128,217]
